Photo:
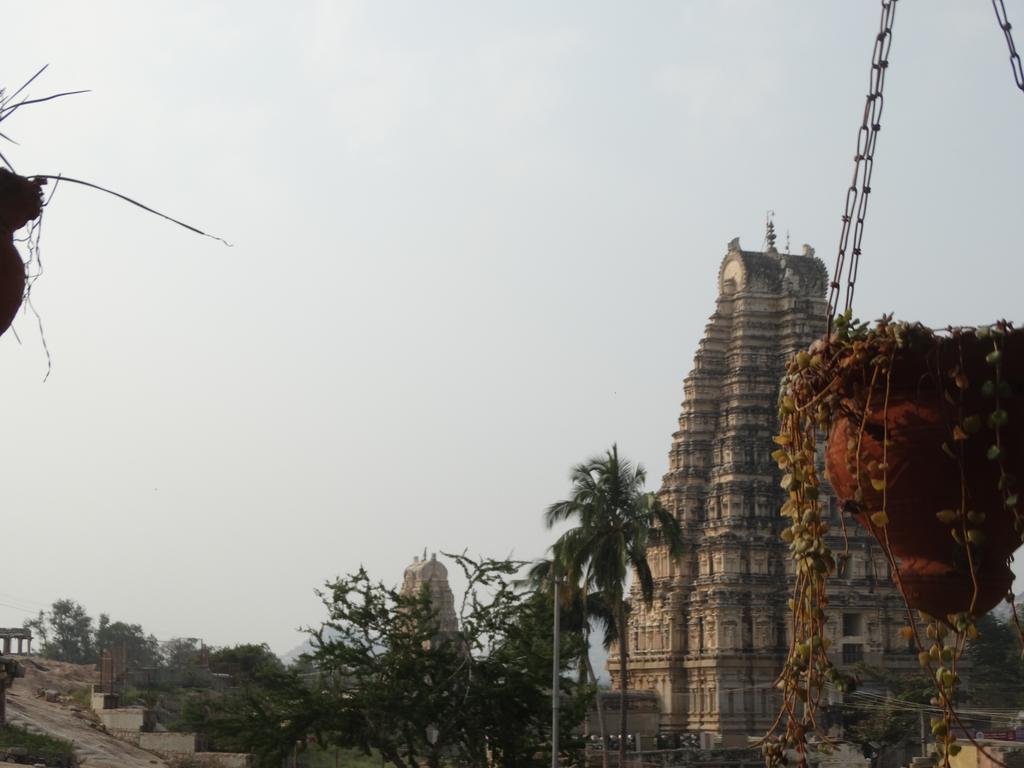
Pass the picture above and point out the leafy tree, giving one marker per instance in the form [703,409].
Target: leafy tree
[243,661]
[181,653]
[616,522]
[993,677]
[40,629]
[66,632]
[995,674]
[877,725]
[141,650]
[387,681]
[268,716]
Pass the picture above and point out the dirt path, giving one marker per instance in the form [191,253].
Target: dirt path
[68,719]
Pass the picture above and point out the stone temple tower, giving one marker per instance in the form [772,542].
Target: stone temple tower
[433,576]
[713,641]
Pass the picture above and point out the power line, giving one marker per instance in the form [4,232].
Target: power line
[866,700]
[19,608]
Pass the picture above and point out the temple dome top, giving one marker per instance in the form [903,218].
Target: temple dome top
[426,570]
[772,272]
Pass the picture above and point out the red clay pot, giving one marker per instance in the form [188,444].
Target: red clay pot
[923,479]
[20,202]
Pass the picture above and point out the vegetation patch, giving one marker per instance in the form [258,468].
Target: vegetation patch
[47,749]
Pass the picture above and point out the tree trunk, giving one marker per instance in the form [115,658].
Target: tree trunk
[586,674]
[599,701]
[581,681]
[623,681]
[392,757]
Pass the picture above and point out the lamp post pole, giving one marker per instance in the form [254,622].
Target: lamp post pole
[555,677]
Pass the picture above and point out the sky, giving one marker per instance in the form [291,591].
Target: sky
[472,245]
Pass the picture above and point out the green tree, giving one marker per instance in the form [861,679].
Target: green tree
[616,522]
[267,716]
[181,653]
[243,661]
[995,676]
[141,650]
[878,724]
[387,681]
[66,631]
[40,630]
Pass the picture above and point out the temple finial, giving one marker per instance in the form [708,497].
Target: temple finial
[770,233]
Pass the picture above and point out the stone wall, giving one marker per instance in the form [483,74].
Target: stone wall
[169,744]
[224,759]
[128,719]
[100,701]
[642,713]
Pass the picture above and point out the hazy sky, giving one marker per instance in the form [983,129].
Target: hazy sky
[474,243]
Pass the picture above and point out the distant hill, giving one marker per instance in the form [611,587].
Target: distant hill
[306,646]
[292,656]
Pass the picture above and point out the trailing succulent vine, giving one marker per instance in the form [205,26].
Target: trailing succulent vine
[851,387]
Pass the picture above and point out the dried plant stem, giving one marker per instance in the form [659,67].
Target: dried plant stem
[133,202]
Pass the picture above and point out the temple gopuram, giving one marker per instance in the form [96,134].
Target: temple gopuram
[713,641]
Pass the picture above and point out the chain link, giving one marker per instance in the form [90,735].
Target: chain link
[856,207]
[1004,24]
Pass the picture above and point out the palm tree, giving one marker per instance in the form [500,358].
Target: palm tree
[616,522]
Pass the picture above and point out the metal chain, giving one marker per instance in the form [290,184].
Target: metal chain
[1004,24]
[863,164]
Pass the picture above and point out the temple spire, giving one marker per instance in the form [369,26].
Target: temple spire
[770,232]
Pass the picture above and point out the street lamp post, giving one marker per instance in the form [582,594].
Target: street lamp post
[555,676]
[432,734]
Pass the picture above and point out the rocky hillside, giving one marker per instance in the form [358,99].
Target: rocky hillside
[52,698]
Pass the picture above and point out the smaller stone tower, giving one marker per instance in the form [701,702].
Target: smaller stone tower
[433,576]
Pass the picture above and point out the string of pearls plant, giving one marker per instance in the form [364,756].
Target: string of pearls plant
[850,376]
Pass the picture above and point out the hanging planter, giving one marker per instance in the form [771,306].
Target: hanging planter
[925,442]
[20,202]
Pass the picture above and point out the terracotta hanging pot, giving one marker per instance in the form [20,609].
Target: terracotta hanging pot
[936,468]
[20,203]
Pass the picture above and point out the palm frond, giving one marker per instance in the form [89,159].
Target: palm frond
[537,576]
[559,512]
[644,577]
[602,615]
